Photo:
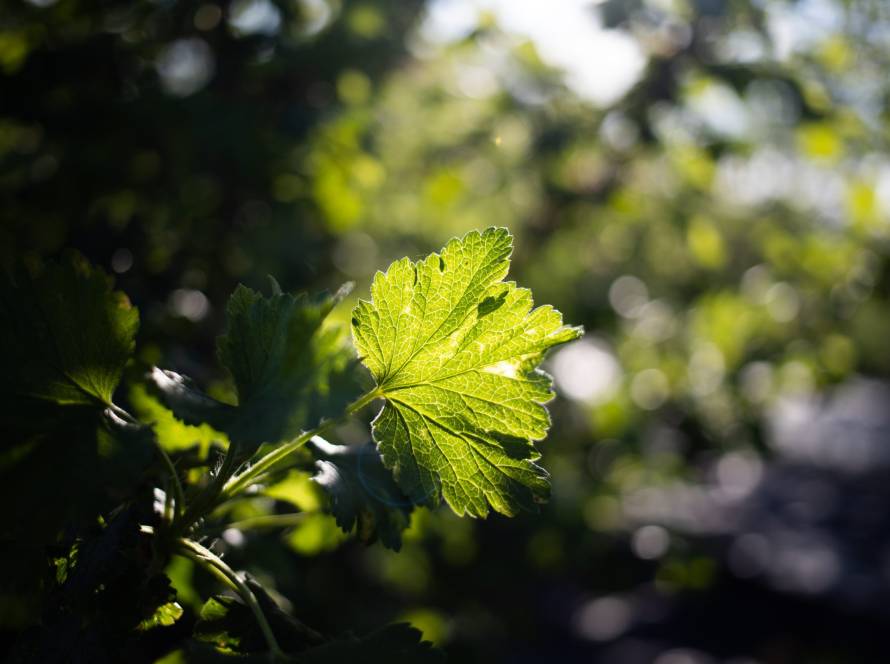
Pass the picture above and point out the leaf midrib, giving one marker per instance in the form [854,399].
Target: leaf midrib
[467,436]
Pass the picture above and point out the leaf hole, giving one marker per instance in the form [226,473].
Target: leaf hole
[491,303]
[441,264]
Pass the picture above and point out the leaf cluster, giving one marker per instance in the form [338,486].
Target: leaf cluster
[452,350]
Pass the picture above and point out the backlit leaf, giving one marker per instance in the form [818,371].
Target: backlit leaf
[454,351]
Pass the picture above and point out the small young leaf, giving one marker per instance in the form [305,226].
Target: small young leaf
[362,492]
[275,348]
[66,334]
[164,616]
[454,352]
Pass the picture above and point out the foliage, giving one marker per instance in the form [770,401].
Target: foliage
[74,333]
[454,352]
[109,594]
[719,222]
[362,492]
[287,370]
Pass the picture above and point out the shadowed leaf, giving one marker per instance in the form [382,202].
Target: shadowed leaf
[289,370]
[362,492]
[66,335]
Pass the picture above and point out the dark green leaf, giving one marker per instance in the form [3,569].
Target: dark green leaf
[188,403]
[105,590]
[66,335]
[362,492]
[289,370]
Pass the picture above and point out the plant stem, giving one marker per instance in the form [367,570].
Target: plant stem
[240,482]
[206,500]
[169,505]
[364,400]
[178,493]
[216,566]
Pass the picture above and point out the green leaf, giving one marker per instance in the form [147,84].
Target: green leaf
[66,335]
[279,355]
[188,403]
[454,351]
[289,370]
[66,458]
[362,492]
[82,464]
[172,433]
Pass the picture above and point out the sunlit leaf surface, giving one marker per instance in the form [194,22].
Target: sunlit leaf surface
[454,351]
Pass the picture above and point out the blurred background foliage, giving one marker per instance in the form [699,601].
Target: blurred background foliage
[703,184]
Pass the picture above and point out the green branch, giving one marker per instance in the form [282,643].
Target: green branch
[206,501]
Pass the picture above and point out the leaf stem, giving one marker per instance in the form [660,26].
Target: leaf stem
[178,493]
[168,503]
[240,482]
[216,566]
[364,400]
